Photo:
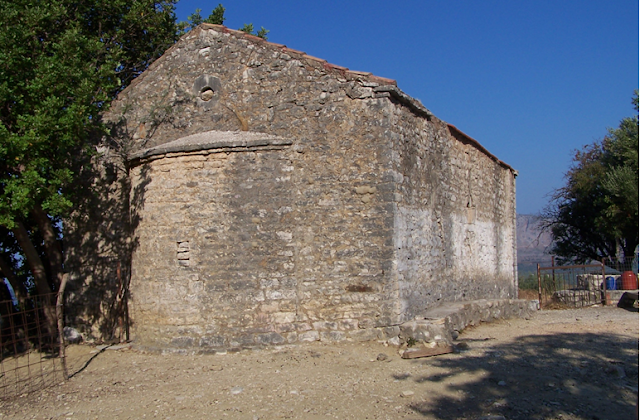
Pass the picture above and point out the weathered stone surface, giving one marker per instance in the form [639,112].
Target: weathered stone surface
[440,325]
[277,198]
[369,334]
[416,352]
[577,297]
[590,281]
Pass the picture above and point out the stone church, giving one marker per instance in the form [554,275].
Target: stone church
[258,195]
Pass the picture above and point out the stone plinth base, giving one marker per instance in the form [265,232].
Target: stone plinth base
[441,325]
[438,326]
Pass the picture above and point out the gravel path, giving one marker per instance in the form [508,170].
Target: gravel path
[570,364]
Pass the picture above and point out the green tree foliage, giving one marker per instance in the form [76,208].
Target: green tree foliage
[248,28]
[595,215]
[61,63]
[528,282]
[216,17]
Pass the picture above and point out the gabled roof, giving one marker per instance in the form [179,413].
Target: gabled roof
[331,68]
[383,87]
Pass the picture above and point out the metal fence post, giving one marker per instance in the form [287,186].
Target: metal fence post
[553,272]
[539,287]
[605,300]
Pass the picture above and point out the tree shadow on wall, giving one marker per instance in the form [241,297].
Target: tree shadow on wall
[99,241]
[577,376]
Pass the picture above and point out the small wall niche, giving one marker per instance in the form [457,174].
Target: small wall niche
[183,253]
[471,215]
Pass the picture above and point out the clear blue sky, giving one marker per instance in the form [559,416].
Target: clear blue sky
[530,80]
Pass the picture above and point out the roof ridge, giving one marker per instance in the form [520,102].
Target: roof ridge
[344,71]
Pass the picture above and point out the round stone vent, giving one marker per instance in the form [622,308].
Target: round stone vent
[206,89]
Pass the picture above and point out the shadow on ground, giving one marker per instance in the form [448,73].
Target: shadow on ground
[559,376]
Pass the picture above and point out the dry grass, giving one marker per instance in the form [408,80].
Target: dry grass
[527,294]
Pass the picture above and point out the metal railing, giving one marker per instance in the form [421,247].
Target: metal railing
[580,285]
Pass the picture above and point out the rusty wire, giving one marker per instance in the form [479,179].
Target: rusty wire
[29,346]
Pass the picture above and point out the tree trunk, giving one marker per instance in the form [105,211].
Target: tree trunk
[33,259]
[39,275]
[51,244]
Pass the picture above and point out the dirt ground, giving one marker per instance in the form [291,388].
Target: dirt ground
[561,364]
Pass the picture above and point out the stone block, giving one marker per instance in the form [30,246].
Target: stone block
[389,332]
[348,324]
[325,326]
[270,338]
[416,352]
[332,336]
[212,341]
[309,336]
[241,340]
[182,342]
[369,334]
[589,281]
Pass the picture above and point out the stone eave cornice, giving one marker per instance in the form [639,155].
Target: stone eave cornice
[413,104]
[212,141]
[462,137]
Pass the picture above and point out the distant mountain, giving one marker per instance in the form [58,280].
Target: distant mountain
[533,243]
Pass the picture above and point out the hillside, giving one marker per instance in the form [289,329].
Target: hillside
[533,244]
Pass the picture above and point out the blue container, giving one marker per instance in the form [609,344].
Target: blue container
[611,283]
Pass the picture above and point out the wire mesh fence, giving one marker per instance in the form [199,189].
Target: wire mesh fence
[30,356]
[29,345]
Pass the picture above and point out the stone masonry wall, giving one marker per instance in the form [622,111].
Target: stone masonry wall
[235,248]
[358,225]
[455,221]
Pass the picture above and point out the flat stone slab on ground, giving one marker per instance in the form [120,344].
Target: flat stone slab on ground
[414,353]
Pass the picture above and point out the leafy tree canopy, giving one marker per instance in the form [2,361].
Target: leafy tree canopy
[595,215]
[216,17]
[61,63]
